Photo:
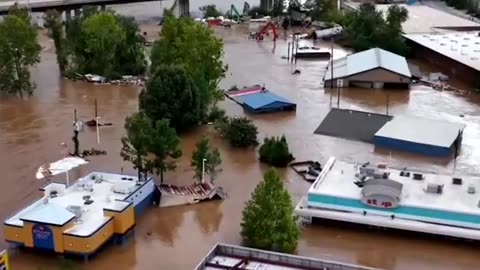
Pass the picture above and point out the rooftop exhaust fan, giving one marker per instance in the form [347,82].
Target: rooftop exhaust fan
[418,176]
[456,181]
[471,189]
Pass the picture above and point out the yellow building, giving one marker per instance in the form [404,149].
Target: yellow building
[4,260]
[83,217]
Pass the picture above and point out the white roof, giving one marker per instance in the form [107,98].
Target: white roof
[463,47]
[53,210]
[367,60]
[339,182]
[424,19]
[420,130]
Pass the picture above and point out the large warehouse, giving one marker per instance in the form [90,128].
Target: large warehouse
[374,68]
[421,136]
[458,53]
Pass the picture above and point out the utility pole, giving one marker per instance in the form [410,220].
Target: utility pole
[76,130]
[203,170]
[331,70]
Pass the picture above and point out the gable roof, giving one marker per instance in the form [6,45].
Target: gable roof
[259,100]
[367,60]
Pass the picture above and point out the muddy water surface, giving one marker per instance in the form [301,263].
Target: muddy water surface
[176,238]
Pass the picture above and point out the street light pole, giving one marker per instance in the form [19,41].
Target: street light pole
[203,169]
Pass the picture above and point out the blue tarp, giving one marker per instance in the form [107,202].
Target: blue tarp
[265,101]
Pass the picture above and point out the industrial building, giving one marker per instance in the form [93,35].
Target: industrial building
[374,68]
[258,99]
[457,53]
[224,256]
[421,136]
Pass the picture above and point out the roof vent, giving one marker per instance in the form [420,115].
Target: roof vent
[434,188]
[456,181]
[466,38]
[418,176]
[474,58]
[476,50]
[464,45]
[405,174]
[443,44]
[471,189]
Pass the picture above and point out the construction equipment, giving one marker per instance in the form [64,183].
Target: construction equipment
[234,14]
[265,31]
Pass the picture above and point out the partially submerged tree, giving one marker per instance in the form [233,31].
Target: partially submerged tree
[195,47]
[152,147]
[136,143]
[275,152]
[19,51]
[171,93]
[268,219]
[319,9]
[165,148]
[206,159]
[238,131]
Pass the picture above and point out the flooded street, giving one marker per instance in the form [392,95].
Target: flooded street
[177,238]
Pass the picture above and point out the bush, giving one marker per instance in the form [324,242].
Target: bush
[268,220]
[238,131]
[216,114]
[274,151]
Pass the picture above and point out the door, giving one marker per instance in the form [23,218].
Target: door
[42,237]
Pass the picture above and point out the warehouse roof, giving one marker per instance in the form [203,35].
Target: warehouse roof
[424,131]
[351,124]
[463,47]
[262,99]
[367,60]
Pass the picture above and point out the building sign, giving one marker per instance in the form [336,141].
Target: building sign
[4,265]
[339,83]
[380,202]
[42,237]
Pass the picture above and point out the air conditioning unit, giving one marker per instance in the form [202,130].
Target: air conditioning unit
[434,188]
[76,210]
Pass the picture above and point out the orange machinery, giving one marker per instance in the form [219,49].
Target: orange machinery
[265,31]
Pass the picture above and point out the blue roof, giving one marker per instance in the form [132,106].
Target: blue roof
[262,99]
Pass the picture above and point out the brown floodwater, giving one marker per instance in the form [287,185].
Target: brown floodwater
[174,238]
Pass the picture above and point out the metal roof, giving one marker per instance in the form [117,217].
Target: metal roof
[367,60]
[224,256]
[262,99]
[424,131]
[351,124]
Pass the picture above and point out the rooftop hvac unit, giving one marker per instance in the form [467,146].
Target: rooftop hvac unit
[434,188]
[123,188]
[405,174]
[471,189]
[417,176]
[76,210]
[456,181]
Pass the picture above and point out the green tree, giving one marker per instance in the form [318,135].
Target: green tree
[210,11]
[239,131]
[137,142]
[197,48]
[319,9]
[171,93]
[269,221]
[19,51]
[54,24]
[216,114]
[275,152]
[130,54]
[256,12]
[102,34]
[278,8]
[165,148]
[212,161]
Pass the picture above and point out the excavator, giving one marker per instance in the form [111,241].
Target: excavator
[264,31]
[235,15]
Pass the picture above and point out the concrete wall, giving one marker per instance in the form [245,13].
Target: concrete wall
[446,65]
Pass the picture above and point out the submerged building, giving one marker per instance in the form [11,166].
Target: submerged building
[403,199]
[81,218]
[224,256]
[374,68]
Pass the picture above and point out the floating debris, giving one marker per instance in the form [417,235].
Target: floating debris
[125,80]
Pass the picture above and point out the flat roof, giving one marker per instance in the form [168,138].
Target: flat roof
[368,60]
[424,19]
[224,256]
[106,190]
[463,47]
[339,181]
[421,130]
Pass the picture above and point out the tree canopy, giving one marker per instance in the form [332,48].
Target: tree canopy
[238,131]
[210,11]
[275,152]
[368,28]
[152,147]
[319,9]
[196,48]
[19,51]
[171,93]
[268,220]
[205,155]
[98,42]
